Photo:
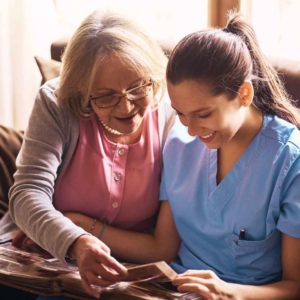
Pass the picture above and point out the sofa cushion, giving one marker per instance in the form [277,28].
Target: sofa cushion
[10,143]
[49,68]
[57,48]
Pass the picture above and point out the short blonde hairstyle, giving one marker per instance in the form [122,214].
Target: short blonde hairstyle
[98,37]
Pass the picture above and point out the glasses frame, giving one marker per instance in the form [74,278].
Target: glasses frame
[126,93]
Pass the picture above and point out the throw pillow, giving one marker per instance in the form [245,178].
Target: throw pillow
[49,68]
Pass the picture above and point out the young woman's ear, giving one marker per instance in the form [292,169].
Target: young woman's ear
[246,93]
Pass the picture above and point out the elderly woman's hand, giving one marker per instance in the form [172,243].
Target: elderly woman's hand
[96,265]
[23,242]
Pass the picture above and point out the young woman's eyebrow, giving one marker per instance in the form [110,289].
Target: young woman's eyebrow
[204,109]
[194,111]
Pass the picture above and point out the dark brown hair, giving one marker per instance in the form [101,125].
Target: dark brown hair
[224,59]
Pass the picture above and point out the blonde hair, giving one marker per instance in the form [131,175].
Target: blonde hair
[98,37]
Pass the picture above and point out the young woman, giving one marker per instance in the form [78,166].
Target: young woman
[93,146]
[231,173]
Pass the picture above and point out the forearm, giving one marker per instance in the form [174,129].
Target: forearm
[134,246]
[282,290]
[30,198]
[137,247]
[128,245]
[42,223]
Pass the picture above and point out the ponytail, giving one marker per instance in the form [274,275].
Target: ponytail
[269,93]
[224,59]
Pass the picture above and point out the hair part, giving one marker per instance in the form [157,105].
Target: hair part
[224,59]
[99,37]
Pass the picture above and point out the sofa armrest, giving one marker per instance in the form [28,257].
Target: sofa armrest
[10,143]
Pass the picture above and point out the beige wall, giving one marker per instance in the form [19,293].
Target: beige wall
[217,11]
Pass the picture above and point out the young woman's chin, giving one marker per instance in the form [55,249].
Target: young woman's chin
[216,143]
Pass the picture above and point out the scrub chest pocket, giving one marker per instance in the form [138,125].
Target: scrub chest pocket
[260,258]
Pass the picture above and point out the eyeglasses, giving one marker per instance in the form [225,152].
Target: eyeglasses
[134,94]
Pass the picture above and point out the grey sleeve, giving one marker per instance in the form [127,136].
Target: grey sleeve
[30,198]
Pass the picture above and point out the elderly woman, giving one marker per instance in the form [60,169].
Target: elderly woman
[92,149]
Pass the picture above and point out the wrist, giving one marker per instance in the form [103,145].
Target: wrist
[101,230]
[234,291]
[98,228]
[92,227]
[74,248]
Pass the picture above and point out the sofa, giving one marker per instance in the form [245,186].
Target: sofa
[10,139]
[288,70]
[10,143]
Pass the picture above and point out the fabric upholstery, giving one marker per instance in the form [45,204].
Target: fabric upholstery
[10,143]
[49,68]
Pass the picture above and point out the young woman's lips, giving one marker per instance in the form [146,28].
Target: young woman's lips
[208,137]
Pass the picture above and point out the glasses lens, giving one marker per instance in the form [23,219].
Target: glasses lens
[140,92]
[134,94]
[106,101]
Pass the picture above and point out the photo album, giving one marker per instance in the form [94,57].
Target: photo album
[40,274]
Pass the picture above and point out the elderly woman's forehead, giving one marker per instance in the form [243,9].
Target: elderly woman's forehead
[119,58]
[121,62]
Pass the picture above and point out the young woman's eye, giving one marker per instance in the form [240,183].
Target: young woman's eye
[204,116]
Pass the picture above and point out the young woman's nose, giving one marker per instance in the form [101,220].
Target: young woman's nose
[193,129]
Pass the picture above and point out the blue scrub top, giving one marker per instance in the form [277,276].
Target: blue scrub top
[261,195]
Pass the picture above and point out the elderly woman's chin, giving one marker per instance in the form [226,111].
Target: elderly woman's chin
[129,124]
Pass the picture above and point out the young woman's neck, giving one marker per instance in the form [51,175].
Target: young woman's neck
[231,152]
[249,129]
[252,126]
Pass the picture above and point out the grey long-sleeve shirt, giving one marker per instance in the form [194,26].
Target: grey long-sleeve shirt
[49,143]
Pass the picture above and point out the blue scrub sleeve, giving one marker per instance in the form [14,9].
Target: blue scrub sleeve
[289,218]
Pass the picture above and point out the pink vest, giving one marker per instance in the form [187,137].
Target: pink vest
[113,182]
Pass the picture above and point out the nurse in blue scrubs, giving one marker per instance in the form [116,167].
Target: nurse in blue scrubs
[232,169]
[231,179]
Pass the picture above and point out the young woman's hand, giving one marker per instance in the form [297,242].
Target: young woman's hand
[205,283]
[96,265]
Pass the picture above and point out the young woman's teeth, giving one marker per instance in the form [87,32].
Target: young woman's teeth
[207,136]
